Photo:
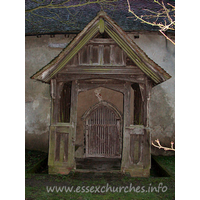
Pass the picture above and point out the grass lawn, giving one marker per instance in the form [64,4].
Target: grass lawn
[102,185]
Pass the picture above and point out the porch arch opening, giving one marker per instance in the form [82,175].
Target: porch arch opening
[99,130]
[103,131]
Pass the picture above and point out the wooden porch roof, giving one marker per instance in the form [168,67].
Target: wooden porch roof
[103,23]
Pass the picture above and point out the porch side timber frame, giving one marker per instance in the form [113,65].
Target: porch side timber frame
[139,169]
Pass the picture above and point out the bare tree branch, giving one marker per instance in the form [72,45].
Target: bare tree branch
[63,4]
[43,10]
[165,13]
[165,148]
[167,37]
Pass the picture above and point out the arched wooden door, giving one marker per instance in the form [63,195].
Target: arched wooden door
[103,131]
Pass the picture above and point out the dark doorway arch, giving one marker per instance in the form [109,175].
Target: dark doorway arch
[103,131]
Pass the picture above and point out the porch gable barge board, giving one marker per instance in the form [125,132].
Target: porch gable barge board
[148,66]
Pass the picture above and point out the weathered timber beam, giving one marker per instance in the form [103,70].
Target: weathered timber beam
[116,87]
[129,78]
[102,41]
[101,81]
[102,70]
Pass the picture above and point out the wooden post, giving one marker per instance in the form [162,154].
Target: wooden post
[126,135]
[147,139]
[53,100]
[73,122]
[52,132]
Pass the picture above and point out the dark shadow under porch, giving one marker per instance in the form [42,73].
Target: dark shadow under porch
[98,164]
